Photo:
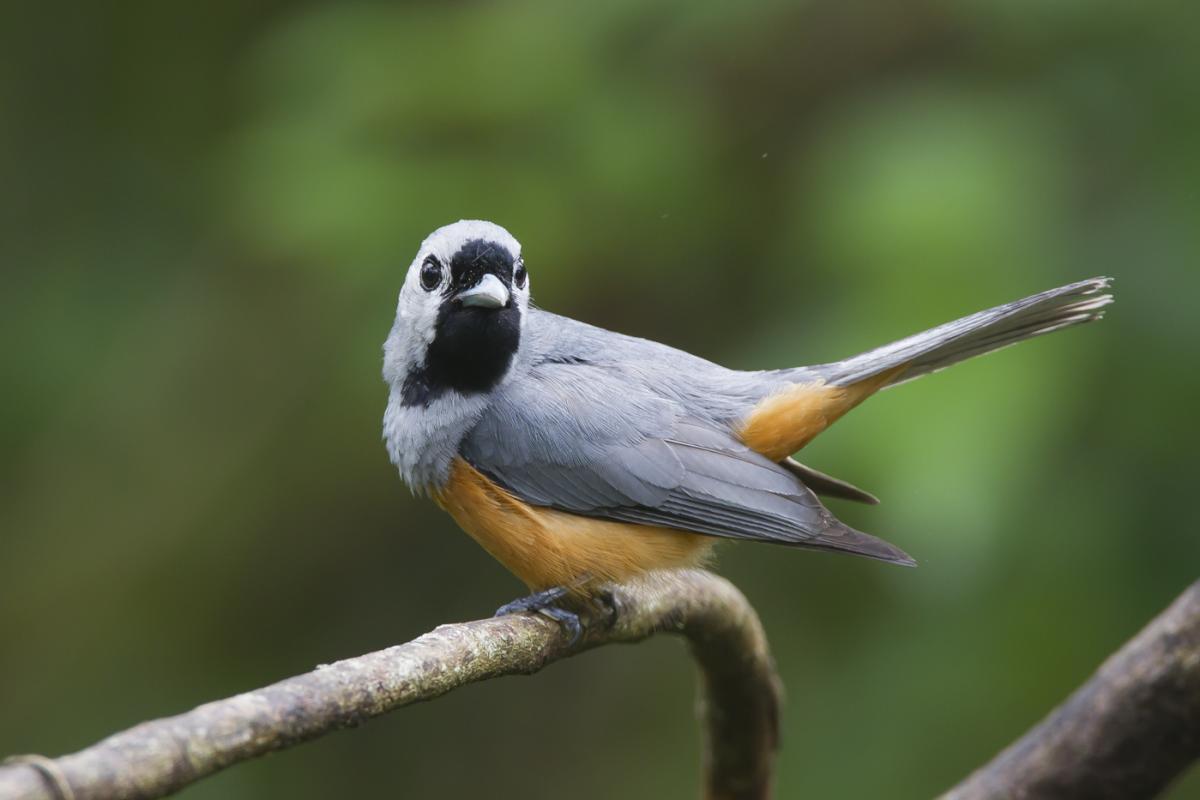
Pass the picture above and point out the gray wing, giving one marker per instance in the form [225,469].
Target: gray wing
[592,441]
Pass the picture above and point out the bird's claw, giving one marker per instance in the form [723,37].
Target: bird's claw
[569,620]
[545,603]
[534,602]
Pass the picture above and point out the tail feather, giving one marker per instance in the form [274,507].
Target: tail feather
[976,334]
[827,485]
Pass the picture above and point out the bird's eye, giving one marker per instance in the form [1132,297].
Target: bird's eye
[519,275]
[431,274]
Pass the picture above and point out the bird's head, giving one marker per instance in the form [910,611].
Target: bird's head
[460,313]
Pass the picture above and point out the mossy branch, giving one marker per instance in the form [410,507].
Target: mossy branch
[1127,733]
[1124,735]
[739,685]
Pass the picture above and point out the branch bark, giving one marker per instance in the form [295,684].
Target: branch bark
[1125,734]
[740,692]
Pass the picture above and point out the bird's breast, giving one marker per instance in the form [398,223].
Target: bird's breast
[545,547]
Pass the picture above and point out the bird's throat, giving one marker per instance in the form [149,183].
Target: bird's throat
[471,352]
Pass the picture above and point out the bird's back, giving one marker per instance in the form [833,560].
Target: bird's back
[707,390]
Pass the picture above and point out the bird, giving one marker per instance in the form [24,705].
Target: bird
[579,457]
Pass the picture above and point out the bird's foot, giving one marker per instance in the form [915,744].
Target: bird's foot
[545,603]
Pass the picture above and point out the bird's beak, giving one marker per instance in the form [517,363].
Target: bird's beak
[490,292]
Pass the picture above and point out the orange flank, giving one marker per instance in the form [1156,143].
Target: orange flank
[544,547]
[784,422]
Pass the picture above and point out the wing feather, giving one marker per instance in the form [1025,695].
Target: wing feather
[587,440]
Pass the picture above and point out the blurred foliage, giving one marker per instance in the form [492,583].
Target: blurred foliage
[207,209]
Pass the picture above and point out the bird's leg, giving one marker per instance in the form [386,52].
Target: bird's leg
[545,603]
[534,602]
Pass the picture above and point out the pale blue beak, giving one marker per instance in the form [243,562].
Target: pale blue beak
[490,292]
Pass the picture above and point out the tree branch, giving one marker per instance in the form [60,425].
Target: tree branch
[1126,733]
[739,687]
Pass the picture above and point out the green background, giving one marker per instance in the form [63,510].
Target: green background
[207,210]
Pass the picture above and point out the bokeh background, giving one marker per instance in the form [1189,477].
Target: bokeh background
[207,212]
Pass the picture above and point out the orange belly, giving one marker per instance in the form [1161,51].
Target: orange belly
[545,548]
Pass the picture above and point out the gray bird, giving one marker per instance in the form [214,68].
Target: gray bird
[578,456]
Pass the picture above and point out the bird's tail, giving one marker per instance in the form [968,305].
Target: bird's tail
[938,348]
